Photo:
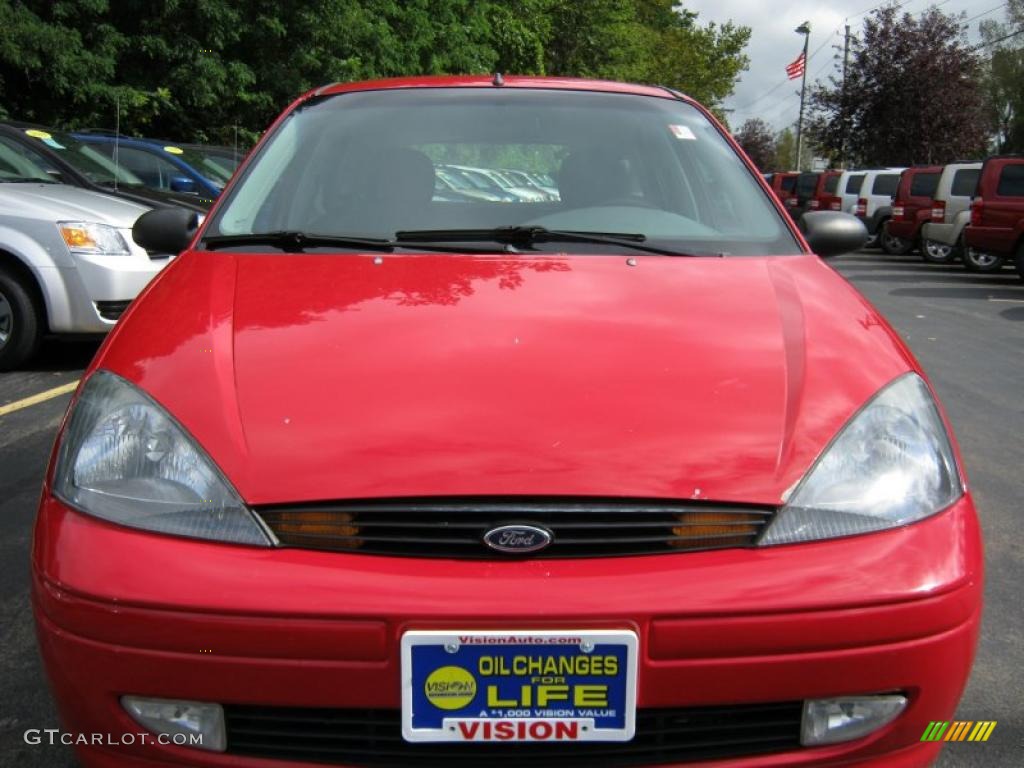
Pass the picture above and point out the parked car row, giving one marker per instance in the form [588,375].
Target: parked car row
[462,183]
[68,202]
[971,211]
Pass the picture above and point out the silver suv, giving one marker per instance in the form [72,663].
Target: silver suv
[874,201]
[68,263]
[941,238]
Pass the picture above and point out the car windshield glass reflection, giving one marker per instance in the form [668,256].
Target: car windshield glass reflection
[375,163]
[85,159]
[18,165]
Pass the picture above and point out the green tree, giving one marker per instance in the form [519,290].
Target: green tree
[785,150]
[204,69]
[1004,78]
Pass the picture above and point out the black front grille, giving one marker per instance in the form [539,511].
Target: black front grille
[112,310]
[455,528]
[356,737]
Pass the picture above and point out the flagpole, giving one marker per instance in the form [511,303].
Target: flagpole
[805,30]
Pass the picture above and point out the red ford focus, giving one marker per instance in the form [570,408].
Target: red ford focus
[512,423]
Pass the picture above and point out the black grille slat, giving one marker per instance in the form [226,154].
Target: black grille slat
[373,738]
[454,528]
[112,310]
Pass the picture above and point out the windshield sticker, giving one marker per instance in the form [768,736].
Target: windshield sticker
[174,150]
[52,142]
[682,132]
[37,134]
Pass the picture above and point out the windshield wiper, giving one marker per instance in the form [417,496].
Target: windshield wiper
[297,242]
[527,236]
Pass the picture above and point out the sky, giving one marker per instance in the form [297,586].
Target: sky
[763,90]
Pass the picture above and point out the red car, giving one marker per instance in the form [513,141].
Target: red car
[631,477]
[995,234]
[911,208]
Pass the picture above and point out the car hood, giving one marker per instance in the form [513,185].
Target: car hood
[162,198]
[62,202]
[311,377]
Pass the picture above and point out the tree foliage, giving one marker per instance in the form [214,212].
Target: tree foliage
[757,140]
[1004,78]
[913,94]
[199,69]
[785,150]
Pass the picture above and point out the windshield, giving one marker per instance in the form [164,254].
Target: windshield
[213,168]
[379,162]
[214,172]
[85,159]
[18,163]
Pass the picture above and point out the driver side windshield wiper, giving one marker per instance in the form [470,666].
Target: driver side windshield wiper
[527,236]
[296,242]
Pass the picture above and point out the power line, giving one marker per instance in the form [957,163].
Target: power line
[778,85]
[985,13]
[979,46]
[875,8]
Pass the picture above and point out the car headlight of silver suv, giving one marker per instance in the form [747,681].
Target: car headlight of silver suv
[123,458]
[891,465]
[90,238]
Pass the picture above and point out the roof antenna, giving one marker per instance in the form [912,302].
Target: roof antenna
[498,79]
[117,137]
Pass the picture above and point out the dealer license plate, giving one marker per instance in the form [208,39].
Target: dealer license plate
[519,686]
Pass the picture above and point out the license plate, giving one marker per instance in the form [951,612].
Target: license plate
[519,686]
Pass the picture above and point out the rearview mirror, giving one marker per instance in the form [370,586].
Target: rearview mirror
[830,233]
[166,230]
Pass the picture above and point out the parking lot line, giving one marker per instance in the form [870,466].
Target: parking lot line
[42,397]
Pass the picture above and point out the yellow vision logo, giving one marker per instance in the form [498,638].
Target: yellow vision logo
[450,688]
[959,730]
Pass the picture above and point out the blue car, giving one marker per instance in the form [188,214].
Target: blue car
[163,165]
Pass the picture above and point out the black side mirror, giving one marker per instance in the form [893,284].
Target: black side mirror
[166,230]
[830,233]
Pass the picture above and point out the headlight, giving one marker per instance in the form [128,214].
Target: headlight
[892,464]
[89,238]
[124,459]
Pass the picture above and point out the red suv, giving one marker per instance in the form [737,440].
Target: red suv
[784,187]
[815,191]
[911,208]
[997,216]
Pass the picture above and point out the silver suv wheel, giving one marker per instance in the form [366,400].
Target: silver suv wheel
[936,252]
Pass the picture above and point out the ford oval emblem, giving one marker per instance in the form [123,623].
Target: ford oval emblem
[517,539]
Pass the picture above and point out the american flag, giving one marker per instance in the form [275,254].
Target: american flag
[796,69]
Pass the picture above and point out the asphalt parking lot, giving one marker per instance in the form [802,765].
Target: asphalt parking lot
[966,329]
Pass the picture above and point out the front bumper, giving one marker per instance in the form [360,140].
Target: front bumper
[947,234]
[94,282]
[157,616]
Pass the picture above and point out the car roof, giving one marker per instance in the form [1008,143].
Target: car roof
[488,81]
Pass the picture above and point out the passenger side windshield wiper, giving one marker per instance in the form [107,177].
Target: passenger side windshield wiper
[297,242]
[526,236]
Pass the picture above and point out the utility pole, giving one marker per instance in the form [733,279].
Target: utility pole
[846,61]
[805,30]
